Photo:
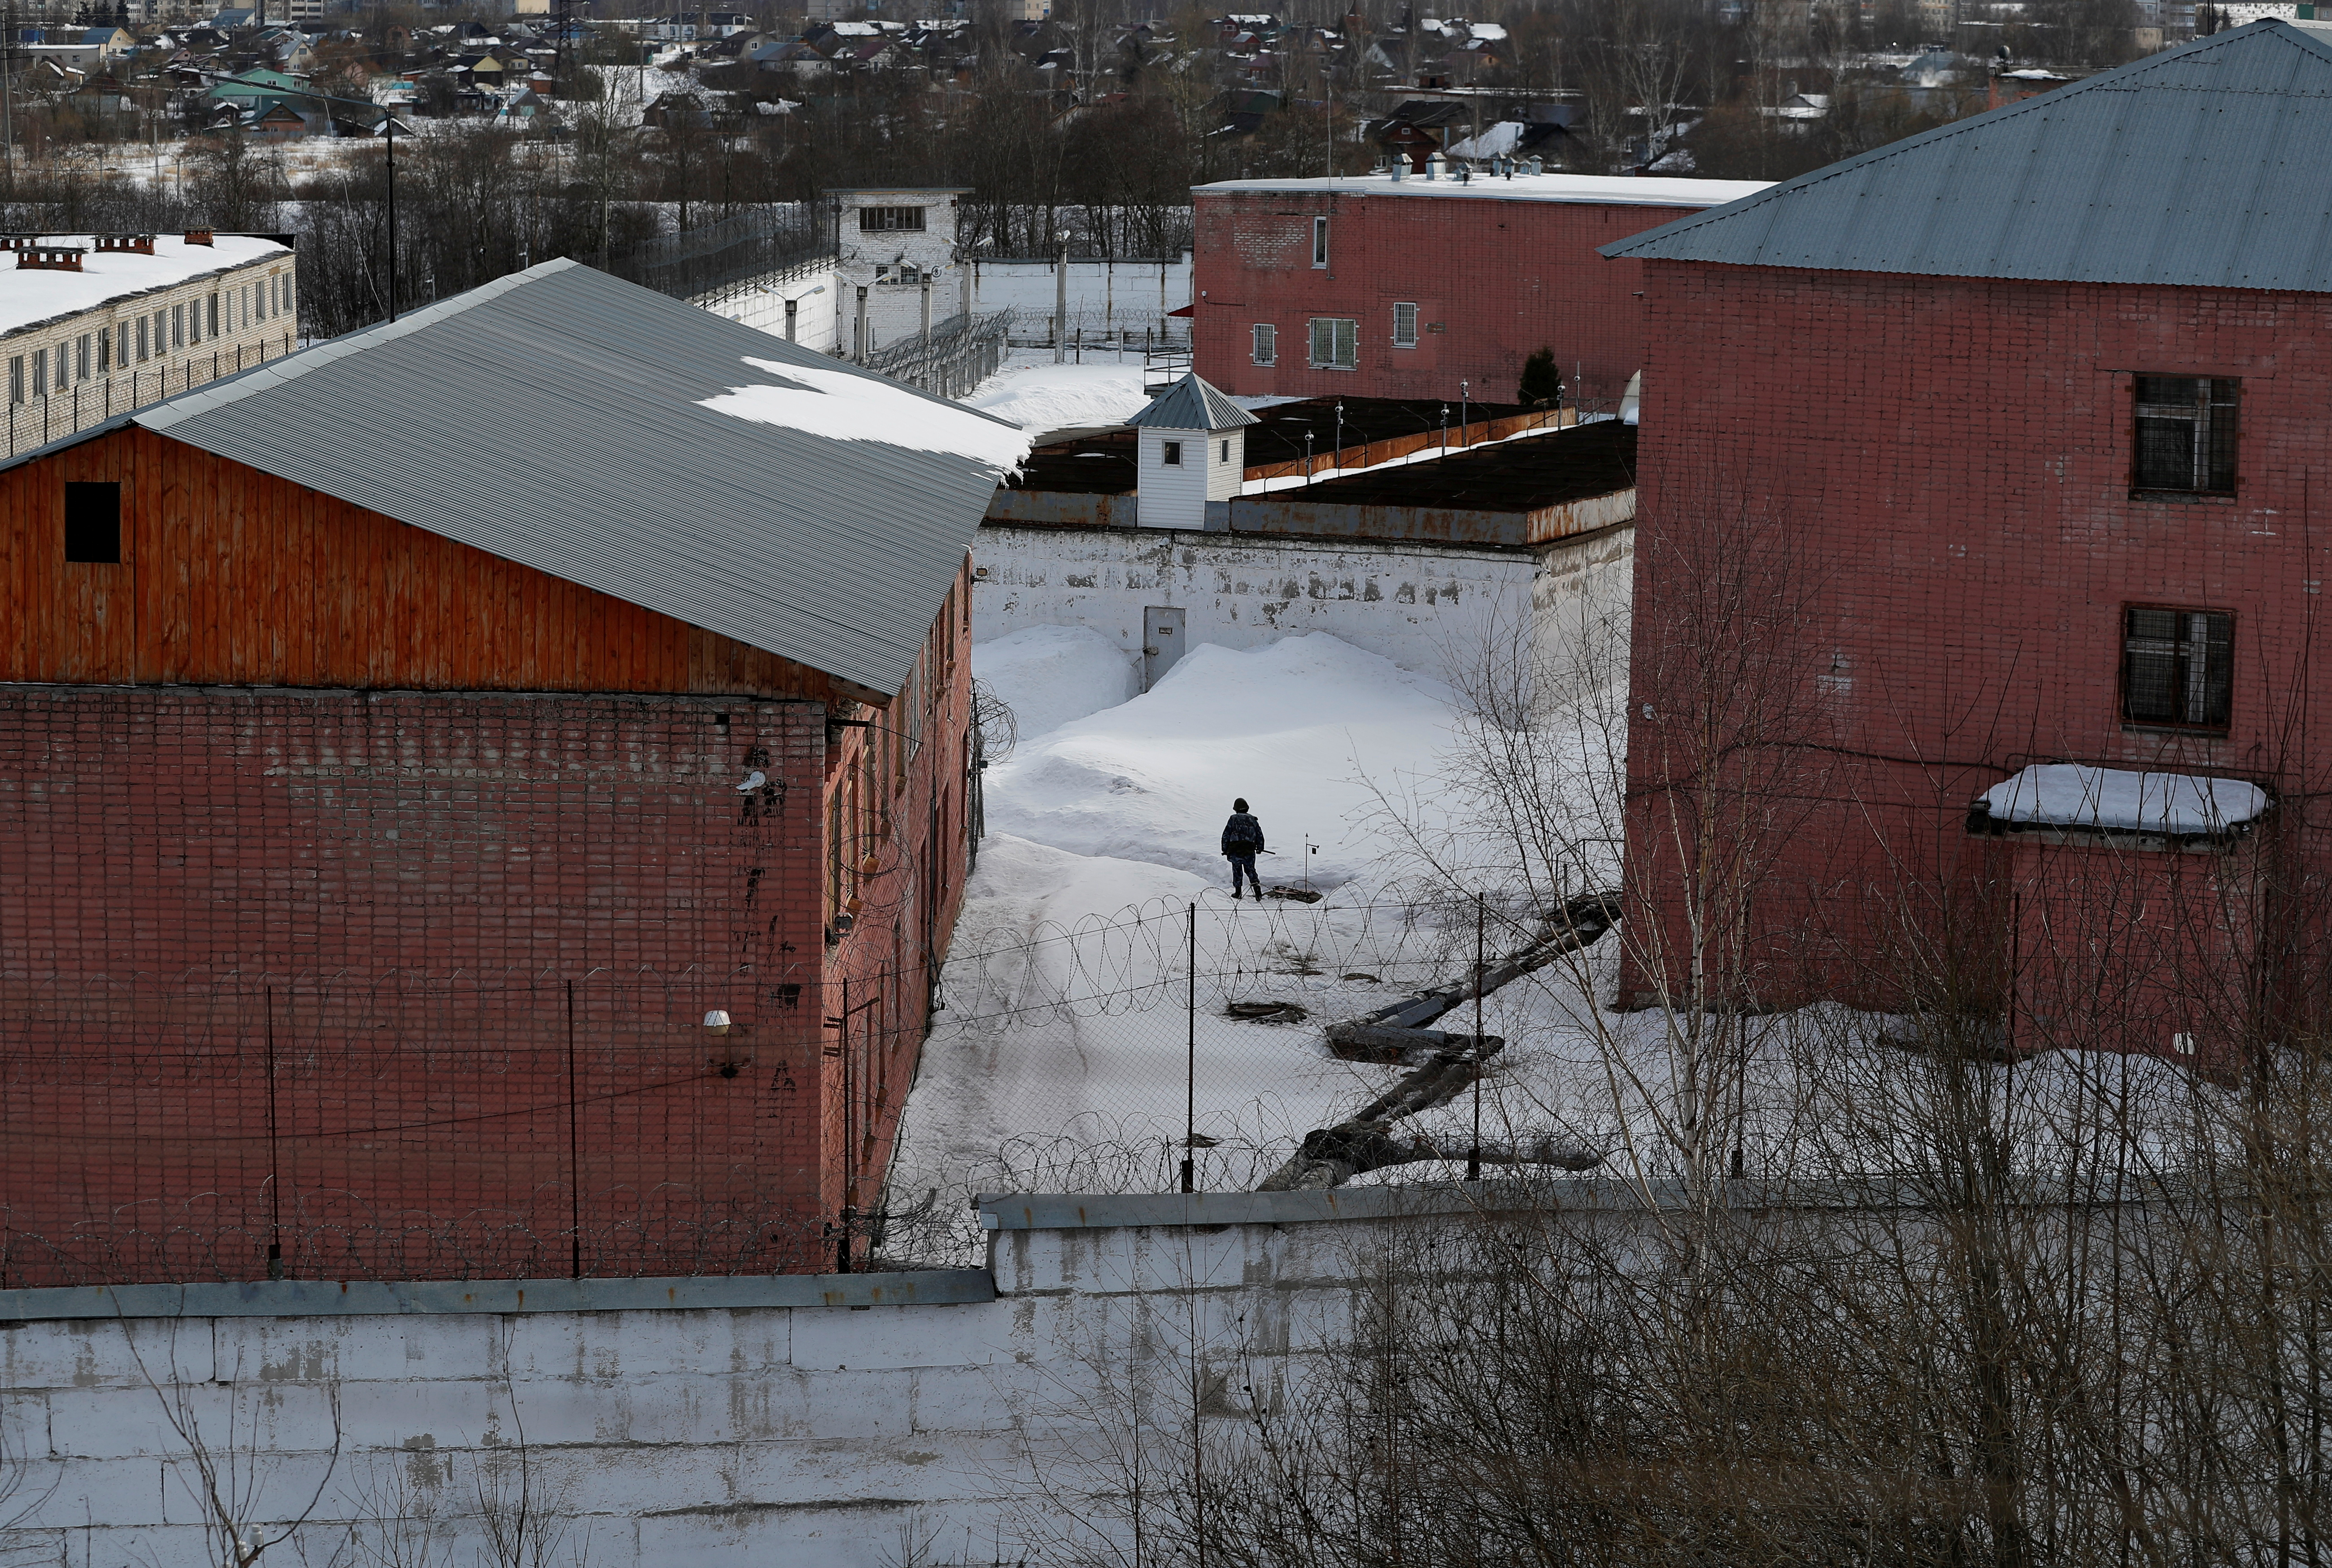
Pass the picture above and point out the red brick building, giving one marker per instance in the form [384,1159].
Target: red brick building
[483,796]
[1377,287]
[1977,588]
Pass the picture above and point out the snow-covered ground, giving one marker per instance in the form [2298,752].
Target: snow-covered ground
[1065,1058]
[1043,397]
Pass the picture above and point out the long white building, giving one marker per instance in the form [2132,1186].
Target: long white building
[94,325]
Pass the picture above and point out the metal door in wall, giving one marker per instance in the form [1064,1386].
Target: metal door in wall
[1161,643]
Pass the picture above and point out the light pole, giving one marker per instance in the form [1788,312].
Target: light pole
[791,304]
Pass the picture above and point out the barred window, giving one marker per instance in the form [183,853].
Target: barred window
[1266,343]
[1336,343]
[1404,325]
[2187,434]
[2177,667]
[890,220]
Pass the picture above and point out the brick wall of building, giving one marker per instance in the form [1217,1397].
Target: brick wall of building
[326,971]
[1493,280]
[1937,473]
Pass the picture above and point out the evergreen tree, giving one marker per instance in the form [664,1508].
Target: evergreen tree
[1542,385]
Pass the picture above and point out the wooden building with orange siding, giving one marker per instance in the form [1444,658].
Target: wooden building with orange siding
[487,795]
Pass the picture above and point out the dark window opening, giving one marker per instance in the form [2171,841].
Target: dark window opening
[890,220]
[94,523]
[2178,667]
[2187,434]
[1170,454]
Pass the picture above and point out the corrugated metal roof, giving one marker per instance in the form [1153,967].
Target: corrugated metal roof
[555,418]
[1192,404]
[2203,165]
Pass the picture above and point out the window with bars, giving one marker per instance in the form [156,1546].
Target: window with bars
[2177,667]
[1266,343]
[1336,343]
[890,220]
[2187,434]
[1404,325]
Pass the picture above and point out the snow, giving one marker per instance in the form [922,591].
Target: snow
[37,296]
[850,405]
[1496,142]
[1051,675]
[2068,795]
[1043,398]
[1602,190]
[1289,726]
[1062,1058]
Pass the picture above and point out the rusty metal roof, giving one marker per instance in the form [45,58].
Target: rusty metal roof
[2200,166]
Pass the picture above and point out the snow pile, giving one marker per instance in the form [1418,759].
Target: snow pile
[2066,795]
[1045,398]
[1049,676]
[1296,727]
[853,405]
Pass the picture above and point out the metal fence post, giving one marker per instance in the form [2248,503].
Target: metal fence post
[1191,1070]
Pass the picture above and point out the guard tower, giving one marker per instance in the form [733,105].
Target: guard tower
[1193,451]
[895,258]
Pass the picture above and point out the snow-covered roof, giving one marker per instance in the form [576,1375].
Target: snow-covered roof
[35,296]
[2118,800]
[1589,189]
[1497,141]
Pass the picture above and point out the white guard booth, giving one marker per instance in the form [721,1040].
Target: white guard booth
[1193,451]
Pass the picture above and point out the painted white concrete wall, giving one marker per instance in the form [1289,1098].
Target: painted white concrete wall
[1433,608]
[1105,298]
[816,315]
[677,1438]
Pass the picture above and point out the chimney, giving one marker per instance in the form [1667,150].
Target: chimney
[198,237]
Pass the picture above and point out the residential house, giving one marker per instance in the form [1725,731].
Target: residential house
[2018,708]
[563,763]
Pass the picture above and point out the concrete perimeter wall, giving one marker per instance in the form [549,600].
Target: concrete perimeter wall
[784,1420]
[1429,607]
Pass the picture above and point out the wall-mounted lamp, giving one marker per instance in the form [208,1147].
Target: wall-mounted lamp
[716,1022]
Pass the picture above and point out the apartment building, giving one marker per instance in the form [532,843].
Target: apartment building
[96,325]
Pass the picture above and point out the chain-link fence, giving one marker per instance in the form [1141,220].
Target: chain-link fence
[36,417]
[708,265]
[956,356]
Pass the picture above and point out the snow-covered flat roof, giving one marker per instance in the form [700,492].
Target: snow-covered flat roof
[2118,800]
[34,296]
[1592,189]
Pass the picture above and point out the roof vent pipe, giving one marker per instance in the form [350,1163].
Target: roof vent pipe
[1433,165]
